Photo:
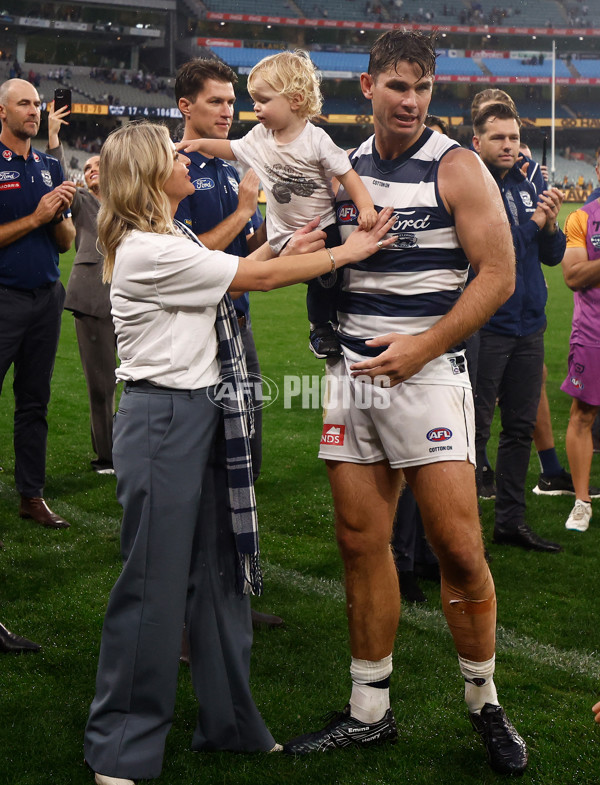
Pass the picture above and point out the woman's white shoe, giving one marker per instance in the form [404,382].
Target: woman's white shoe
[102,779]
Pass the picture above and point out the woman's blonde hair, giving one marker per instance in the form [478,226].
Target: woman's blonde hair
[136,161]
[290,74]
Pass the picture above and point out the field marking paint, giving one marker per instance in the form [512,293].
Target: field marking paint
[432,620]
[426,619]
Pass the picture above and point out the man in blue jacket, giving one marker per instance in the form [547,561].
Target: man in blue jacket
[35,227]
[511,355]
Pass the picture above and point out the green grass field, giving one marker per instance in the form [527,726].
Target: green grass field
[54,587]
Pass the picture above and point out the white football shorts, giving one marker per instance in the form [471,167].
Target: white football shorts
[409,424]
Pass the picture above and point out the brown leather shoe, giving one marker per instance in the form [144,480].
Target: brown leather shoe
[38,510]
[265,619]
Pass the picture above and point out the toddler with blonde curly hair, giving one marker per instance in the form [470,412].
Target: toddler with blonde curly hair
[296,162]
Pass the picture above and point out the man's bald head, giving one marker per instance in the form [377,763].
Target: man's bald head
[12,86]
[19,111]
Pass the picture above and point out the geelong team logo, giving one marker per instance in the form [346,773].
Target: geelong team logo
[595,241]
[7,176]
[526,198]
[347,213]
[46,177]
[405,241]
[204,184]
[439,435]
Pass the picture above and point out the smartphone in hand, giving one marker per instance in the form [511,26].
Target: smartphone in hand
[62,97]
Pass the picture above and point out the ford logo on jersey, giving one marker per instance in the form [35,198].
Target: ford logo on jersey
[204,184]
[347,213]
[439,434]
[5,176]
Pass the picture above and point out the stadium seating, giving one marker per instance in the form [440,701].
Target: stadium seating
[244,57]
[459,66]
[572,170]
[512,67]
[587,68]
[88,90]
[524,13]
[519,13]
[124,95]
[354,10]
[263,7]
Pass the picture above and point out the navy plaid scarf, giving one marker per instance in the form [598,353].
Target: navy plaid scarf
[233,394]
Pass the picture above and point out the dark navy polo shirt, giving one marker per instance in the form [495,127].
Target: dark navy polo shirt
[216,197]
[32,260]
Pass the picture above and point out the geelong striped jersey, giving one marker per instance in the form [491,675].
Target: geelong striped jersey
[409,286]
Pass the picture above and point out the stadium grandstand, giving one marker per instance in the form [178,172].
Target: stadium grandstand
[119,59]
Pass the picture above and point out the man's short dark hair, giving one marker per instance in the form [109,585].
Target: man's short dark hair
[397,45]
[499,110]
[191,77]
[433,119]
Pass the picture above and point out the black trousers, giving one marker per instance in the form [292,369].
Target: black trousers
[408,535]
[29,332]
[510,369]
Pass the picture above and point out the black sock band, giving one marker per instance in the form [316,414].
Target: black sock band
[380,685]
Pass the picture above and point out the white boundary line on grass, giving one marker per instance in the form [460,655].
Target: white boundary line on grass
[571,661]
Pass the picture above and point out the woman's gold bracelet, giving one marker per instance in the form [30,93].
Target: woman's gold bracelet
[332,257]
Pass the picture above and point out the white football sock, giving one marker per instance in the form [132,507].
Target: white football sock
[479,683]
[370,698]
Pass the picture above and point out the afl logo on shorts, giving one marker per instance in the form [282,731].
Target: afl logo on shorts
[333,435]
[439,435]
[204,184]
[347,213]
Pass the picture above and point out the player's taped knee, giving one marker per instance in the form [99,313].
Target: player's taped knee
[482,601]
[472,619]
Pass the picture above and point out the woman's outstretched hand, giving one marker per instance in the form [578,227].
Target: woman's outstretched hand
[362,243]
